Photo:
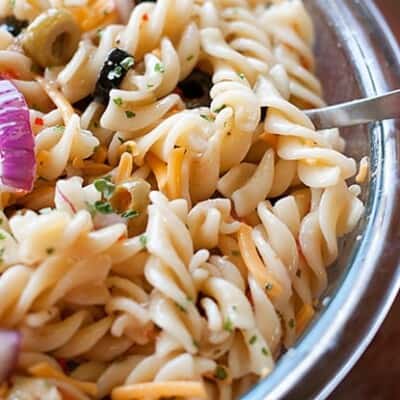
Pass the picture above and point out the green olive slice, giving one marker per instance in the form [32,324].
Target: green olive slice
[52,38]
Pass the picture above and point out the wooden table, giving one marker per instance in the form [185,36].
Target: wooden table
[377,375]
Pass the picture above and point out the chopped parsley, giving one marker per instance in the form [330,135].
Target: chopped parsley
[220,373]
[120,139]
[150,85]
[100,33]
[1,254]
[118,101]
[2,236]
[291,323]
[219,109]
[207,117]
[50,250]
[228,325]
[1,221]
[159,67]
[143,240]
[241,75]
[127,63]
[130,214]
[253,339]
[105,187]
[60,128]
[265,351]
[103,207]
[130,114]
[235,253]
[115,73]
[189,58]
[181,307]
[196,343]
[268,286]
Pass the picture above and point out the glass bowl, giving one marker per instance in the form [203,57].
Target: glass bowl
[356,56]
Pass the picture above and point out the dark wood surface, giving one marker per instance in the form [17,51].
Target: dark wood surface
[377,375]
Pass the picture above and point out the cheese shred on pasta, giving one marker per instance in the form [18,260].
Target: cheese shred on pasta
[179,231]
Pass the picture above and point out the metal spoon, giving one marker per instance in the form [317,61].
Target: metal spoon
[357,112]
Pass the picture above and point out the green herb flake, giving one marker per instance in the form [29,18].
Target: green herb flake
[181,307]
[105,187]
[2,236]
[159,67]
[127,63]
[241,75]
[91,208]
[118,101]
[1,221]
[291,323]
[130,214]
[190,58]
[103,207]
[100,33]
[219,109]
[234,308]
[268,286]
[207,117]
[60,128]
[130,114]
[228,325]
[265,351]
[150,85]
[235,253]
[253,339]
[220,373]
[189,299]
[196,343]
[143,240]
[1,254]
[115,73]
[120,139]
[50,250]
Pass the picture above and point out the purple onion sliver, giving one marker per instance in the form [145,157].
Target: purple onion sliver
[9,349]
[17,144]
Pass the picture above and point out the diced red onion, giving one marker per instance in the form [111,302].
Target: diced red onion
[17,144]
[9,349]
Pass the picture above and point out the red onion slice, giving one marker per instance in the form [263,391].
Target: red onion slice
[9,349]
[17,144]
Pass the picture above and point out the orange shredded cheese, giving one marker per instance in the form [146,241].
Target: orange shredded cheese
[125,168]
[303,318]
[174,173]
[159,169]
[255,265]
[45,370]
[160,389]
[96,14]
[100,155]
[363,170]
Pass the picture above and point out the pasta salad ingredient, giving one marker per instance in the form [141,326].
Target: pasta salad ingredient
[52,38]
[9,349]
[16,140]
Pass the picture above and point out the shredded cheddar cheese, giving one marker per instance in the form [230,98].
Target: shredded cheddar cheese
[159,169]
[303,318]
[45,370]
[174,173]
[160,389]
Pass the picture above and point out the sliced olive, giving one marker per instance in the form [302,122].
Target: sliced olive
[13,25]
[195,89]
[52,38]
[116,65]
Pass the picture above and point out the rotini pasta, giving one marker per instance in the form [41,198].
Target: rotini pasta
[184,210]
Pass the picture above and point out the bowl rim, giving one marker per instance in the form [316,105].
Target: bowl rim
[312,358]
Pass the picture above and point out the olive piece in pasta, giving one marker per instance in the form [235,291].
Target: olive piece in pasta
[130,196]
[196,89]
[115,67]
[52,38]
[13,25]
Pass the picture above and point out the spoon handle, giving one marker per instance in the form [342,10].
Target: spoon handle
[357,112]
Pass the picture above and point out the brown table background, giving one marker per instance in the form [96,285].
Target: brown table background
[377,375]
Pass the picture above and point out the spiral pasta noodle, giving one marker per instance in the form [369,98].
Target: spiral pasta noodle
[181,225]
